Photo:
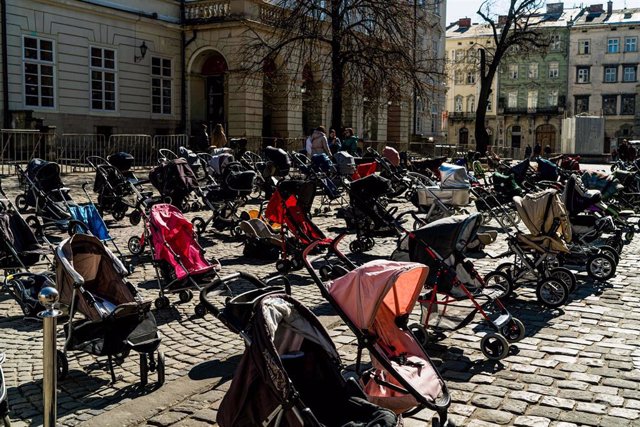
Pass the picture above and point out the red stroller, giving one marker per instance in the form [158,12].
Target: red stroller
[176,254]
[289,206]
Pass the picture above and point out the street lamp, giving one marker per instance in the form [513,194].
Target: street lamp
[143,51]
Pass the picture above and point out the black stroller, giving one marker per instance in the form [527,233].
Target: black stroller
[367,214]
[290,373]
[175,181]
[45,192]
[113,184]
[91,281]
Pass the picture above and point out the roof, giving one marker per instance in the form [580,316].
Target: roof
[617,17]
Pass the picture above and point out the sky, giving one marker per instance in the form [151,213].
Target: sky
[467,8]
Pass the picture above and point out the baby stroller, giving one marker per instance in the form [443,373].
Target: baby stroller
[91,281]
[446,199]
[375,300]
[546,217]
[324,174]
[4,401]
[113,188]
[175,181]
[45,192]
[455,290]
[345,164]
[177,257]
[367,214]
[290,373]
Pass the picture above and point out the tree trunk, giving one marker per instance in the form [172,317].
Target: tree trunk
[486,80]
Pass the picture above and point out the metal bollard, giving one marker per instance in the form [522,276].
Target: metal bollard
[49,298]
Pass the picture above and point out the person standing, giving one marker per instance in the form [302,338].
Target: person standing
[547,151]
[527,152]
[201,141]
[334,142]
[319,143]
[219,139]
[537,150]
[350,142]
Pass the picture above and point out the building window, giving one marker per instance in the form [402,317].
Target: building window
[555,42]
[489,105]
[532,99]
[582,104]
[103,79]
[554,70]
[629,73]
[459,77]
[459,55]
[610,105]
[533,70]
[513,99]
[458,104]
[513,71]
[628,105]
[161,85]
[471,78]
[610,73]
[584,47]
[630,44]
[582,74]
[552,99]
[471,104]
[613,45]
[39,88]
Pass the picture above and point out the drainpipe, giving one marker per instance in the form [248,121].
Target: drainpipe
[6,120]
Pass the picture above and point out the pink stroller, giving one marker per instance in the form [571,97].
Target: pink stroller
[375,300]
[176,254]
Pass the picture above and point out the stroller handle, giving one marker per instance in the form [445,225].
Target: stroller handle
[94,161]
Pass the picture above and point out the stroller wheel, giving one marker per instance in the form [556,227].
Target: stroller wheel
[552,292]
[283,266]
[500,282]
[121,357]
[356,247]
[62,365]
[199,224]
[162,302]
[628,236]
[608,250]
[135,246]
[297,263]
[494,346]
[160,368]
[185,295]
[565,275]
[195,207]
[514,331]
[144,369]
[21,203]
[601,267]
[135,217]
[369,243]
[34,223]
[325,272]
[119,214]
[420,332]
[200,310]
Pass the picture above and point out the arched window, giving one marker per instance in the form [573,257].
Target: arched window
[471,104]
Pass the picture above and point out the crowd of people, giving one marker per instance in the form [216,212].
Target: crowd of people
[319,143]
[625,152]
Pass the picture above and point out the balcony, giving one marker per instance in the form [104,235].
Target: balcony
[203,12]
[523,111]
[211,11]
[462,116]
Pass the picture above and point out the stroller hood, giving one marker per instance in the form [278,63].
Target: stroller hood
[370,187]
[220,161]
[304,191]
[608,185]
[378,285]
[520,170]
[18,237]
[539,210]
[46,175]
[577,198]
[174,179]
[447,235]
[453,176]
[392,155]
[547,170]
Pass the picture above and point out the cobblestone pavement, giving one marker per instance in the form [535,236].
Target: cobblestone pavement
[578,365]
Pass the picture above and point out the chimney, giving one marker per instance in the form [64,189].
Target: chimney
[502,19]
[464,22]
[609,7]
[596,8]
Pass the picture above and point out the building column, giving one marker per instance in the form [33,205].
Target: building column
[244,106]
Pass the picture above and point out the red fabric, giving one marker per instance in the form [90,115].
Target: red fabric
[168,224]
[366,169]
[392,155]
[291,214]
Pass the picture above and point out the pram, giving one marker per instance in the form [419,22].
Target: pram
[290,373]
[289,206]
[345,164]
[455,290]
[175,181]
[45,192]
[177,257]
[113,187]
[546,217]
[448,198]
[366,213]
[375,300]
[91,281]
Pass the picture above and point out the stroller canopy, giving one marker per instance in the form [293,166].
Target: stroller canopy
[577,198]
[447,235]
[174,179]
[220,161]
[280,159]
[547,170]
[123,161]
[539,211]
[377,286]
[304,191]
[520,170]
[392,155]
[46,175]
[608,185]
[17,239]
[370,187]
[453,176]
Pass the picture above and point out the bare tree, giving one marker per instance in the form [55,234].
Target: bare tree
[360,44]
[519,30]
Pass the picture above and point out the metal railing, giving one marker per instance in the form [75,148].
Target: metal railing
[138,145]
[74,148]
[206,11]
[20,146]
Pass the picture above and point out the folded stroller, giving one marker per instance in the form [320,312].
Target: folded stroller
[366,213]
[91,282]
[455,291]
[375,301]
[290,373]
[546,217]
[177,257]
[45,192]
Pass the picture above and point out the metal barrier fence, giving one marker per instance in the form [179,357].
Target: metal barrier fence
[170,142]
[75,148]
[20,146]
[139,146]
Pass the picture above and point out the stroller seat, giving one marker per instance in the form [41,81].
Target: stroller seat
[541,244]
[259,229]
